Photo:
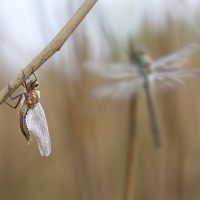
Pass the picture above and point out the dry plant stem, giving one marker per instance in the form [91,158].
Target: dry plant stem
[54,46]
[129,179]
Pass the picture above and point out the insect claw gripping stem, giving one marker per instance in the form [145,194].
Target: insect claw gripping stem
[23,74]
[24,81]
[34,75]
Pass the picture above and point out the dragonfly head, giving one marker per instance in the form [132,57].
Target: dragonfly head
[137,54]
[32,84]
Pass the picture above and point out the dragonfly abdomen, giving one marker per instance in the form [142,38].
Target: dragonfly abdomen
[23,126]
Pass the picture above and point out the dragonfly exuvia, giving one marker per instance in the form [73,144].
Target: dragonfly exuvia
[141,72]
[32,116]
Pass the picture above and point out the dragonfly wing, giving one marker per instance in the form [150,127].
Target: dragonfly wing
[37,124]
[119,90]
[174,79]
[177,59]
[112,70]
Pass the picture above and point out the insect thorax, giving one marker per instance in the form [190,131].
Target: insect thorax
[146,67]
[31,98]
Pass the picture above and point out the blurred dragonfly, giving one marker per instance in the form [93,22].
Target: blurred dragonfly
[143,73]
[32,116]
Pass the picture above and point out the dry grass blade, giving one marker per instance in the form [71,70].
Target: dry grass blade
[54,46]
[131,151]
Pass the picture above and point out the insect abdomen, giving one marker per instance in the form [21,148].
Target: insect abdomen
[23,125]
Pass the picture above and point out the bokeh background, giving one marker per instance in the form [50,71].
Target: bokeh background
[90,138]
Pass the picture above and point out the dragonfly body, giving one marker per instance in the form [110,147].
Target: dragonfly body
[139,57]
[32,116]
[142,72]
[22,121]
[31,98]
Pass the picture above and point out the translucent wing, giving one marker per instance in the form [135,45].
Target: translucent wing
[112,70]
[119,90]
[177,59]
[176,78]
[37,124]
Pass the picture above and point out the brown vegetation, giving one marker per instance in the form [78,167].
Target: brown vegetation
[90,138]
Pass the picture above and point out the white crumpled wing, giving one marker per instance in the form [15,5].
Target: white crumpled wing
[112,70]
[37,124]
[177,59]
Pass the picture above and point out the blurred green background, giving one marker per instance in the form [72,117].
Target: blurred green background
[90,138]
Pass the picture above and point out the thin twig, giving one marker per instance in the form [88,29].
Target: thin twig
[54,46]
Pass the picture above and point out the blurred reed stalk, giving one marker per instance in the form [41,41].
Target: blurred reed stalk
[131,151]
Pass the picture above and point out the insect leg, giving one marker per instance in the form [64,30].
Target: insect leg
[18,96]
[24,83]
[34,76]
[14,107]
